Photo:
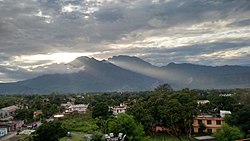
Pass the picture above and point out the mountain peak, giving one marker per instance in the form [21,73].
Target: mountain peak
[130,59]
[82,61]
[128,73]
[85,58]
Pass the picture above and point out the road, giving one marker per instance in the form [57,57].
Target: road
[8,137]
[12,135]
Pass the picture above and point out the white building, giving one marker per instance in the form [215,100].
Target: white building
[223,113]
[66,105]
[202,101]
[81,108]
[119,109]
[3,132]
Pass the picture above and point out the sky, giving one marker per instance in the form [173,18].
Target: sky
[40,36]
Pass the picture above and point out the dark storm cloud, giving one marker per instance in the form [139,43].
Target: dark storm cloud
[242,23]
[108,15]
[182,54]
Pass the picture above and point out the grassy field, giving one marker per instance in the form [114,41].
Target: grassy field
[80,123]
[75,136]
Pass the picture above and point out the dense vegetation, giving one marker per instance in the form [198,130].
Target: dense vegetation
[165,107]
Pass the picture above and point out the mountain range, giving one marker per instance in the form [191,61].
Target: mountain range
[128,73]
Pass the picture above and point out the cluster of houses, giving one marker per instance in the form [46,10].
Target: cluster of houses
[211,122]
[81,108]
[7,122]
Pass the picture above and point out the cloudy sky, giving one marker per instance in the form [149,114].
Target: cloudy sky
[37,35]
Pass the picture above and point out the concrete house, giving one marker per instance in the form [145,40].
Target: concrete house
[8,111]
[3,132]
[212,123]
[119,109]
[81,108]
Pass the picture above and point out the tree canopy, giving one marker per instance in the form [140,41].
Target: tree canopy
[100,110]
[241,119]
[50,131]
[126,124]
[228,133]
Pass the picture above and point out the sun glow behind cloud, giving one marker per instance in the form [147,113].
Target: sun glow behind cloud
[63,57]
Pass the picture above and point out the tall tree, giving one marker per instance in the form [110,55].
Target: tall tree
[164,89]
[177,112]
[126,124]
[218,102]
[49,109]
[141,113]
[50,131]
[100,110]
[24,114]
[158,98]
[241,119]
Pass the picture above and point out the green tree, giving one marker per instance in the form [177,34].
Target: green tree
[157,98]
[24,114]
[228,133]
[49,109]
[126,124]
[6,101]
[177,112]
[202,126]
[163,89]
[50,131]
[100,110]
[241,119]
[218,103]
[141,113]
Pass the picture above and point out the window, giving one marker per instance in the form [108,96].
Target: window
[209,122]
[209,130]
[199,121]
[218,122]
[200,130]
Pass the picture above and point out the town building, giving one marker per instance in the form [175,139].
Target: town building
[66,105]
[203,101]
[204,138]
[8,111]
[223,113]
[212,123]
[80,108]
[11,125]
[37,113]
[3,132]
[119,109]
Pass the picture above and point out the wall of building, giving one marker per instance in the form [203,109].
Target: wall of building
[4,114]
[3,132]
[212,123]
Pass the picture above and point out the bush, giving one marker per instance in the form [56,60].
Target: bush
[228,133]
[97,136]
